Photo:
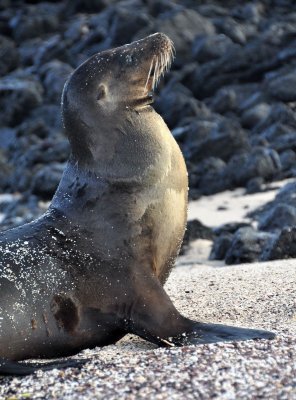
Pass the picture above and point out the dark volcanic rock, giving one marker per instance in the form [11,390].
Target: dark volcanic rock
[209,47]
[54,48]
[254,185]
[221,246]
[283,87]
[288,159]
[35,20]
[9,55]
[17,98]
[286,196]
[176,103]
[247,245]
[260,162]
[182,26]
[255,115]
[223,141]
[209,176]
[278,217]
[195,230]
[54,75]
[282,247]
[47,179]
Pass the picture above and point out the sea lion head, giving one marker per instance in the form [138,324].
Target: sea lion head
[110,84]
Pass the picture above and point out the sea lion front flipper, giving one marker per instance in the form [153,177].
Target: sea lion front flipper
[8,367]
[211,333]
[155,318]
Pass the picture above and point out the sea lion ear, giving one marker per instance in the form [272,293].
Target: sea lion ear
[101,91]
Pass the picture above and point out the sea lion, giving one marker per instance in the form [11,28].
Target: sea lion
[92,268]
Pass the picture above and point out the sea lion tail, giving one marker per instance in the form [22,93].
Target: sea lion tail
[8,367]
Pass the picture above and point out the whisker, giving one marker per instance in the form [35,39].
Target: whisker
[161,63]
[148,76]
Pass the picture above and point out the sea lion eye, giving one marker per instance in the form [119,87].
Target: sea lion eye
[101,92]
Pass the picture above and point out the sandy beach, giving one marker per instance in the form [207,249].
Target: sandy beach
[256,295]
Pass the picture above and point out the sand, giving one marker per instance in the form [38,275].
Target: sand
[257,295]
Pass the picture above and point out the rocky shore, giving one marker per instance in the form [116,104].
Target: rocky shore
[229,100]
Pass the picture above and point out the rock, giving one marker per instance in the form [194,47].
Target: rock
[232,97]
[53,48]
[47,179]
[54,75]
[247,246]
[285,142]
[288,159]
[208,176]
[18,97]
[260,162]
[33,127]
[89,6]
[254,185]
[278,217]
[9,56]
[182,26]
[286,196]
[7,137]
[196,129]
[5,171]
[240,65]
[212,10]
[196,230]
[126,24]
[223,142]
[221,246]
[230,28]
[176,103]
[50,114]
[255,115]
[282,247]
[35,21]
[280,116]
[283,87]
[27,51]
[230,227]
[250,12]
[21,210]
[209,47]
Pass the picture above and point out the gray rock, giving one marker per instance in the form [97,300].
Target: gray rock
[255,115]
[208,177]
[247,246]
[279,217]
[209,47]
[35,20]
[18,97]
[288,159]
[283,246]
[54,75]
[182,26]
[221,246]
[47,179]
[176,103]
[230,28]
[254,185]
[9,56]
[283,87]
[260,161]
[223,142]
